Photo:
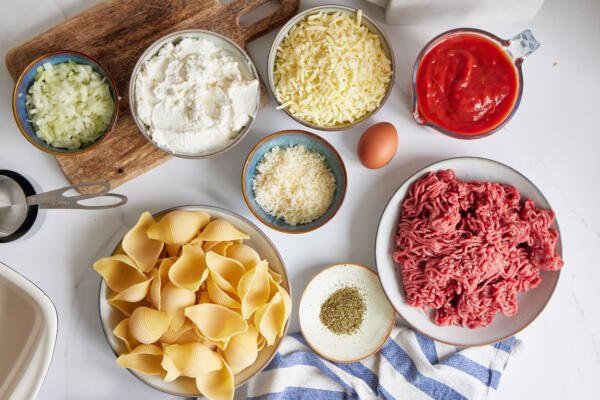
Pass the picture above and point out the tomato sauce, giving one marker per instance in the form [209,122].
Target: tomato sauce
[466,84]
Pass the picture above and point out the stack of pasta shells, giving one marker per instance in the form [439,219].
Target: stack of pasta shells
[198,303]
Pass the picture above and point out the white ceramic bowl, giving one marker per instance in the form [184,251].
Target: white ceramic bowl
[530,304]
[378,319]
[110,317]
[28,325]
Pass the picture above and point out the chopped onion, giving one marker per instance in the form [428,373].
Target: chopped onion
[69,104]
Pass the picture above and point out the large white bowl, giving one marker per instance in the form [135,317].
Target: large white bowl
[110,317]
[28,325]
[530,304]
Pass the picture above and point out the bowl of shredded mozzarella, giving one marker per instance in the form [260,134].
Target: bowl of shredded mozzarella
[331,68]
[65,102]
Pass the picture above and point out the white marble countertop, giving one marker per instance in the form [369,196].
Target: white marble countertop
[554,139]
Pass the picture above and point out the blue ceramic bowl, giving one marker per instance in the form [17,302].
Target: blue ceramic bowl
[285,139]
[26,80]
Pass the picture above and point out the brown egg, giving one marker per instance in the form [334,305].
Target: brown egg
[377,145]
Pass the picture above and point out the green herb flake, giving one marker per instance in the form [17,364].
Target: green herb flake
[343,311]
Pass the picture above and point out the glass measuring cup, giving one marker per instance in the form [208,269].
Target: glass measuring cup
[515,49]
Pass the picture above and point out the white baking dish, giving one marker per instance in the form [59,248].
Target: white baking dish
[28,324]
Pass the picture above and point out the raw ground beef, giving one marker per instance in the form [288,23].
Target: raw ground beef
[466,248]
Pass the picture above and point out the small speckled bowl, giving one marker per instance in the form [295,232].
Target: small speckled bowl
[26,80]
[286,139]
[378,318]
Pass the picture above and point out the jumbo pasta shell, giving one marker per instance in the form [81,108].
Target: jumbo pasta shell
[189,359]
[137,245]
[174,300]
[213,344]
[145,358]
[220,230]
[287,311]
[147,325]
[217,385]
[244,254]
[219,296]
[178,227]
[189,271]
[242,350]
[161,278]
[270,318]
[135,293]
[164,267]
[218,247]
[125,307]
[121,332]
[188,386]
[216,322]
[192,335]
[253,289]
[173,335]
[119,272]
[226,272]
[287,305]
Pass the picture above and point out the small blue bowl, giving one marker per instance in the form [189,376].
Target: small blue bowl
[286,139]
[26,80]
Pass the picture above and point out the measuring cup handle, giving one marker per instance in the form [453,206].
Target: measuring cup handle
[122,201]
[522,45]
[57,199]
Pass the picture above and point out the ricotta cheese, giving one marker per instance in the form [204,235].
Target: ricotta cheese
[195,97]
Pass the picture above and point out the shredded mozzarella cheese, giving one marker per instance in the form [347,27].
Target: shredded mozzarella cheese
[331,70]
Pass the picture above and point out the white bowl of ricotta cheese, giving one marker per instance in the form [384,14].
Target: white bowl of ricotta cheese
[194,93]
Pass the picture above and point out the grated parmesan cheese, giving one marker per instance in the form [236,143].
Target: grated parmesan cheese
[293,184]
[331,70]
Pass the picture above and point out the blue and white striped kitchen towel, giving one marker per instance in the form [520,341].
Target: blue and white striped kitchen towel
[409,366]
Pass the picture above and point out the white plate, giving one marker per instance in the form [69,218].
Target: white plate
[530,304]
[110,317]
[378,320]
[28,324]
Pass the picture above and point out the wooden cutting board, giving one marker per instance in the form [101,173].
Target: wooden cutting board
[116,32]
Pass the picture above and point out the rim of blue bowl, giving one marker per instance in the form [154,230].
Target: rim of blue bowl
[55,150]
[312,136]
